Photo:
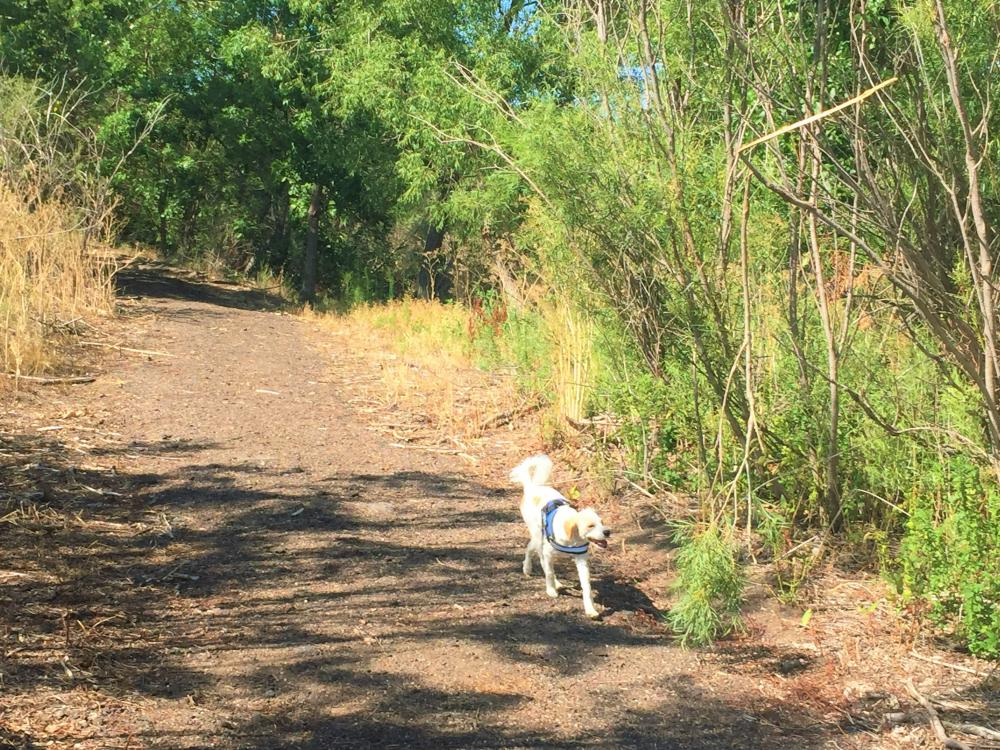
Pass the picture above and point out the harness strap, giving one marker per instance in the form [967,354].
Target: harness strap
[548,514]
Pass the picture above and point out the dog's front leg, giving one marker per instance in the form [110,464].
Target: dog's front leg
[551,585]
[583,568]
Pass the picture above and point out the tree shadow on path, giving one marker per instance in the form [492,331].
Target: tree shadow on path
[174,593]
[160,281]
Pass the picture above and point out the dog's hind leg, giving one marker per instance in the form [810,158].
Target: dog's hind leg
[551,584]
[531,549]
[535,547]
[583,568]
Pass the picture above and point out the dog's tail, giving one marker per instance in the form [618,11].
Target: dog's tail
[532,472]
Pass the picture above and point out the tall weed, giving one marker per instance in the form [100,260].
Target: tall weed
[571,343]
[48,282]
[709,585]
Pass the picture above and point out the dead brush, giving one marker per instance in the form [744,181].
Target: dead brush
[57,213]
[483,316]
[48,280]
[56,209]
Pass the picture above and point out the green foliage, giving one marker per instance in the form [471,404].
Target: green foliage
[646,410]
[356,289]
[709,585]
[949,556]
[524,344]
[521,343]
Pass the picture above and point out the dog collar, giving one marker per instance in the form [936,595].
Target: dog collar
[548,514]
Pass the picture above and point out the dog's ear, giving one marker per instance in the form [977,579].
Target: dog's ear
[569,523]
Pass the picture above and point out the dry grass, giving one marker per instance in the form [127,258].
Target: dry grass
[423,330]
[427,357]
[50,282]
[573,361]
[423,369]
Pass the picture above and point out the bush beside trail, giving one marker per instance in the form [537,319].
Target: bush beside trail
[56,267]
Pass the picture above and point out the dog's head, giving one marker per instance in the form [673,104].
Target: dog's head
[590,527]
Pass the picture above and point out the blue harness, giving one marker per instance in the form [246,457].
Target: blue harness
[548,514]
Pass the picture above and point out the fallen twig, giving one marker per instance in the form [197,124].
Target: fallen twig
[506,417]
[640,488]
[974,729]
[171,574]
[940,663]
[96,491]
[798,546]
[598,420]
[52,381]
[934,719]
[355,381]
[444,451]
[151,352]
[96,431]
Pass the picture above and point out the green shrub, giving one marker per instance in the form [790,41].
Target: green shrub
[657,430]
[950,559]
[646,431]
[709,585]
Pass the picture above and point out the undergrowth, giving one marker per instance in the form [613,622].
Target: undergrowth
[422,329]
[949,558]
[48,283]
[55,272]
[709,585]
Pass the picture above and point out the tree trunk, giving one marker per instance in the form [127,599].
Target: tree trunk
[279,241]
[310,262]
[189,225]
[976,238]
[161,206]
[427,277]
[823,301]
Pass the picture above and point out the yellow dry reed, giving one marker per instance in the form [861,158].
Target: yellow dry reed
[572,336]
[49,280]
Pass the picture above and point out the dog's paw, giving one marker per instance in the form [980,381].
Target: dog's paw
[559,584]
[593,614]
[552,592]
[526,569]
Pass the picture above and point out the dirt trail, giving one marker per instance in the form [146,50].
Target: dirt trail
[290,580]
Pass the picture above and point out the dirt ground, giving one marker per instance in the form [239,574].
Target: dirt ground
[210,546]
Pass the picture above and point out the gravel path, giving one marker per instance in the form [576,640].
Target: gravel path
[293,581]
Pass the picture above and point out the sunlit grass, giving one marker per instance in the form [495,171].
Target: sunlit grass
[422,358]
[49,281]
[425,331]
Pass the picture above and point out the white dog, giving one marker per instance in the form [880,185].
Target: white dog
[556,527]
